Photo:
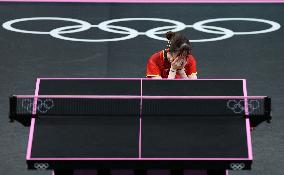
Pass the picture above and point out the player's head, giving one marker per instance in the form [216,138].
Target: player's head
[178,44]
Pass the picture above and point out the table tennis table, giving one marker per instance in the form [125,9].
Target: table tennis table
[135,126]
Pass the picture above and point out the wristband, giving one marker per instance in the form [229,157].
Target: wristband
[181,69]
[173,70]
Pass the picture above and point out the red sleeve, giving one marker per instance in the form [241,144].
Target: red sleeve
[190,67]
[153,68]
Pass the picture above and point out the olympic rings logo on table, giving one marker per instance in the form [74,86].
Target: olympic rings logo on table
[153,33]
[237,166]
[238,106]
[41,166]
[43,105]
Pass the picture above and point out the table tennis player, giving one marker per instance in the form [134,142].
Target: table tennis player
[176,61]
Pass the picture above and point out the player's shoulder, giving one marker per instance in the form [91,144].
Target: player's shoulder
[191,58]
[157,55]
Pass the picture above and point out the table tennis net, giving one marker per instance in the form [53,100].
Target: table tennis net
[139,106]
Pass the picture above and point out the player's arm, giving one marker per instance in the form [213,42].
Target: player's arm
[156,77]
[183,74]
[176,65]
[182,68]
[190,71]
[192,76]
[153,69]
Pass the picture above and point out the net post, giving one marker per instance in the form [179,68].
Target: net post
[12,107]
[267,106]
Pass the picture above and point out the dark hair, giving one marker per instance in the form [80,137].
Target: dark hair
[178,43]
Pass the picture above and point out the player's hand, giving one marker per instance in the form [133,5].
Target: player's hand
[178,63]
[183,63]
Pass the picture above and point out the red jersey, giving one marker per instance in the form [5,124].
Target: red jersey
[158,65]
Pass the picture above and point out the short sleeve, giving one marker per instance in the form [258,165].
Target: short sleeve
[190,67]
[153,68]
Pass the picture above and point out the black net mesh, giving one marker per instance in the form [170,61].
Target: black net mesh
[77,106]
[205,107]
[257,109]
[145,106]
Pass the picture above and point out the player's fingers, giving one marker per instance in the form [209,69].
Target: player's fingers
[178,58]
[184,63]
[182,59]
[175,60]
[178,63]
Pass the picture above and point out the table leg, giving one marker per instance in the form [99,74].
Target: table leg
[216,172]
[140,172]
[103,172]
[62,172]
[177,171]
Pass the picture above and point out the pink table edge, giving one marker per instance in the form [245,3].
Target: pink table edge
[152,1]
[28,156]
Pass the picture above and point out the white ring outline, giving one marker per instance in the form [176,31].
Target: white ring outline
[103,25]
[42,107]
[237,166]
[133,33]
[8,25]
[56,34]
[226,33]
[274,26]
[41,166]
